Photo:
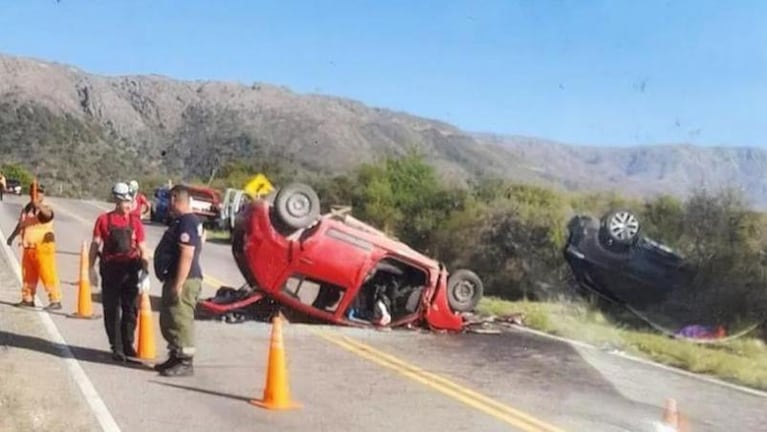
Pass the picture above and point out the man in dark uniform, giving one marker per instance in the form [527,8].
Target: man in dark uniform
[177,265]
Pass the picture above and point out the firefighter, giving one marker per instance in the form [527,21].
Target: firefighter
[38,240]
[140,203]
[177,265]
[119,244]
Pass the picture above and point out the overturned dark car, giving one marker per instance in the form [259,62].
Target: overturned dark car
[613,259]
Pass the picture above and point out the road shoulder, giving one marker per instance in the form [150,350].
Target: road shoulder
[37,391]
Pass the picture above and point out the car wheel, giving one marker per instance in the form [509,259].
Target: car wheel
[621,227]
[464,290]
[297,206]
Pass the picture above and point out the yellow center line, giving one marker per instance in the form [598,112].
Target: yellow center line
[469,397]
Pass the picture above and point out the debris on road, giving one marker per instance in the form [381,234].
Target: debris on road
[492,324]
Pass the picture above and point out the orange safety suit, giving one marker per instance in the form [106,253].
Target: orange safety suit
[38,262]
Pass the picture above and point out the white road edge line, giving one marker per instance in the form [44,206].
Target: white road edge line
[97,205]
[646,362]
[97,405]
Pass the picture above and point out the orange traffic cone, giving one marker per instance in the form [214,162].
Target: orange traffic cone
[277,391]
[672,419]
[671,414]
[146,345]
[84,301]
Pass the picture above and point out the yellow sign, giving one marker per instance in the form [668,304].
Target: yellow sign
[258,185]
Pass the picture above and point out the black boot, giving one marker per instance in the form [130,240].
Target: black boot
[173,359]
[118,356]
[53,306]
[182,368]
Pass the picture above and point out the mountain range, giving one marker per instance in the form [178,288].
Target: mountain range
[79,131]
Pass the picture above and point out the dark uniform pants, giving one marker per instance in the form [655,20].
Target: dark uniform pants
[177,316]
[119,290]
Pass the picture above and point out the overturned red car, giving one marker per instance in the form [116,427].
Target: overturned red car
[334,268]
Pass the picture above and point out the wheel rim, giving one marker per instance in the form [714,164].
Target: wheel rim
[299,205]
[464,291]
[623,226]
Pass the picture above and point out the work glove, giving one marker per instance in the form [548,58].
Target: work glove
[93,277]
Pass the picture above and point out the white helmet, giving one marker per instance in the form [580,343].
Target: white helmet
[133,186]
[121,192]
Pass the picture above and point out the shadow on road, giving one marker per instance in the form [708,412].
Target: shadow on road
[52,348]
[208,392]
[14,305]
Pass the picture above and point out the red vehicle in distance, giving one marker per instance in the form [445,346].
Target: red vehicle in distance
[205,202]
[334,268]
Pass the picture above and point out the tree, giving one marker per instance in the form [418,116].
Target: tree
[18,172]
[404,196]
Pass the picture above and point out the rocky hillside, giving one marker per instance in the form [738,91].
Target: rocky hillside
[80,131]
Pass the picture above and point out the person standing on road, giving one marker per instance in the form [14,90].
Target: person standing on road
[177,265]
[119,243]
[38,261]
[3,185]
[140,203]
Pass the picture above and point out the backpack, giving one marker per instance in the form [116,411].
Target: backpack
[119,240]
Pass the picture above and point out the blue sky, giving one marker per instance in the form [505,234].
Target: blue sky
[583,72]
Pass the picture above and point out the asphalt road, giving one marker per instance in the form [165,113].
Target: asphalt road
[351,379]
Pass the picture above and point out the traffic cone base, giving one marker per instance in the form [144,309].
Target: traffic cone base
[85,317]
[147,349]
[672,419]
[276,407]
[84,301]
[277,390]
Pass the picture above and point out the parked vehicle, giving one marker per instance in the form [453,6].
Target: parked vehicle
[611,257]
[205,202]
[335,268]
[234,201]
[13,186]
[159,211]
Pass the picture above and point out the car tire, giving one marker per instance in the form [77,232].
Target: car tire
[620,227]
[464,290]
[297,206]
